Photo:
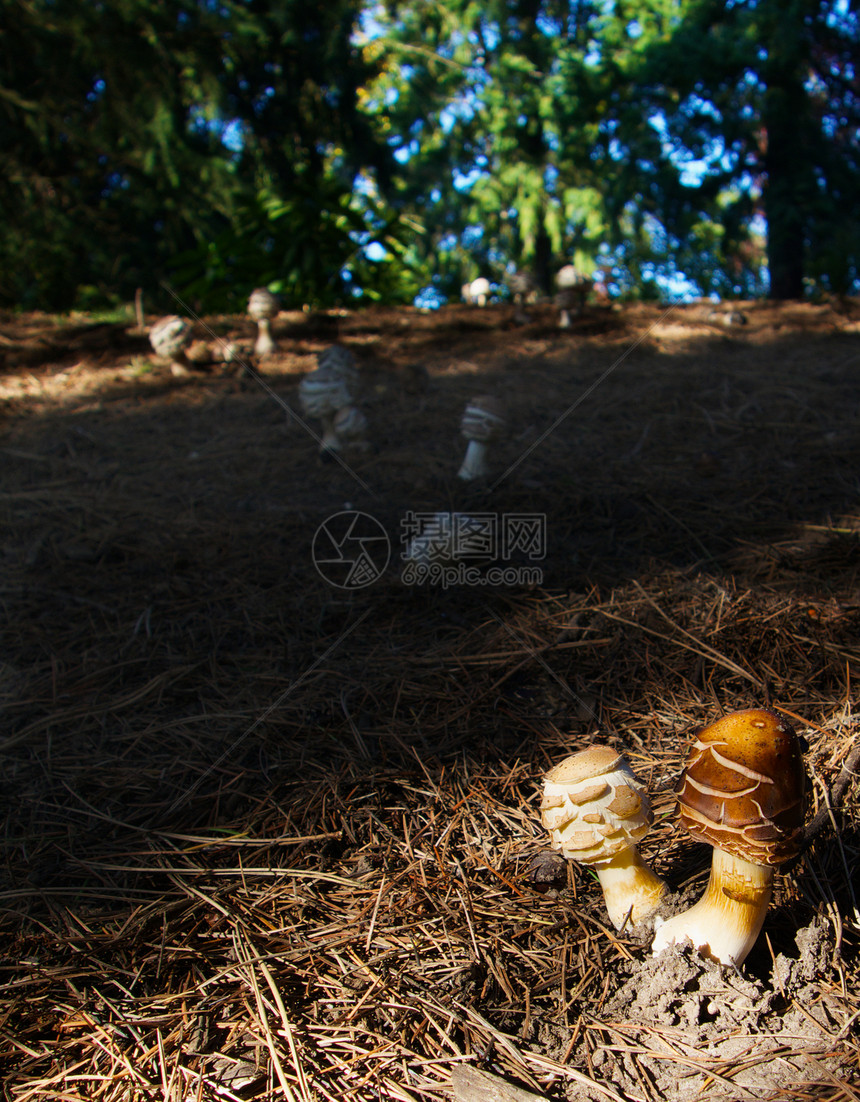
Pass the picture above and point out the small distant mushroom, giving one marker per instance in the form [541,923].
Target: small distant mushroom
[169,338]
[262,307]
[482,423]
[573,289]
[522,287]
[742,792]
[322,394]
[596,810]
[476,293]
[730,320]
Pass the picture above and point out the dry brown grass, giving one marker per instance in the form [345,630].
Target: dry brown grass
[264,838]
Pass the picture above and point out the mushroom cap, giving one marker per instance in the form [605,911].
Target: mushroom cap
[263,304]
[483,419]
[323,392]
[594,806]
[170,335]
[337,358]
[570,276]
[521,283]
[742,789]
[479,286]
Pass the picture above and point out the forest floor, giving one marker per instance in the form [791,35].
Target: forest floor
[272,831]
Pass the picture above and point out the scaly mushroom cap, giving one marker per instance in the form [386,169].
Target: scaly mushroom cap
[594,806]
[742,789]
[483,419]
[323,392]
[263,304]
[521,283]
[170,335]
[340,359]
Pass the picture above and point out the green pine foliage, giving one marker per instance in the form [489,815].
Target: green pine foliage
[360,152]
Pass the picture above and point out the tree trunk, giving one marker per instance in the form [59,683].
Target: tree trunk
[785,191]
[790,186]
[543,262]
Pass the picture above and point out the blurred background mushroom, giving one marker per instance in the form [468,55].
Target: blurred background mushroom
[742,792]
[476,293]
[169,338]
[262,307]
[596,810]
[523,288]
[573,289]
[350,427]
[322,394]
[483,422]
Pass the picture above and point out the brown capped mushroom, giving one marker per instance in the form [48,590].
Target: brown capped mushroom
[742,792]
[596,810]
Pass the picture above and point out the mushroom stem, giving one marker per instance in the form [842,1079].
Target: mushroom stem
[631,890]
[265,344]
[475,461]
[330,439]
[726,921]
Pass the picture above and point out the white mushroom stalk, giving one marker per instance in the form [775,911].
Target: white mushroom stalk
[596,810]
[742,792]
[482,423]
[262,307]
[725,923]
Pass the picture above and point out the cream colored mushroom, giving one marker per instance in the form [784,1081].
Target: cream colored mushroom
[596,810]
[262,307]
[476,293]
